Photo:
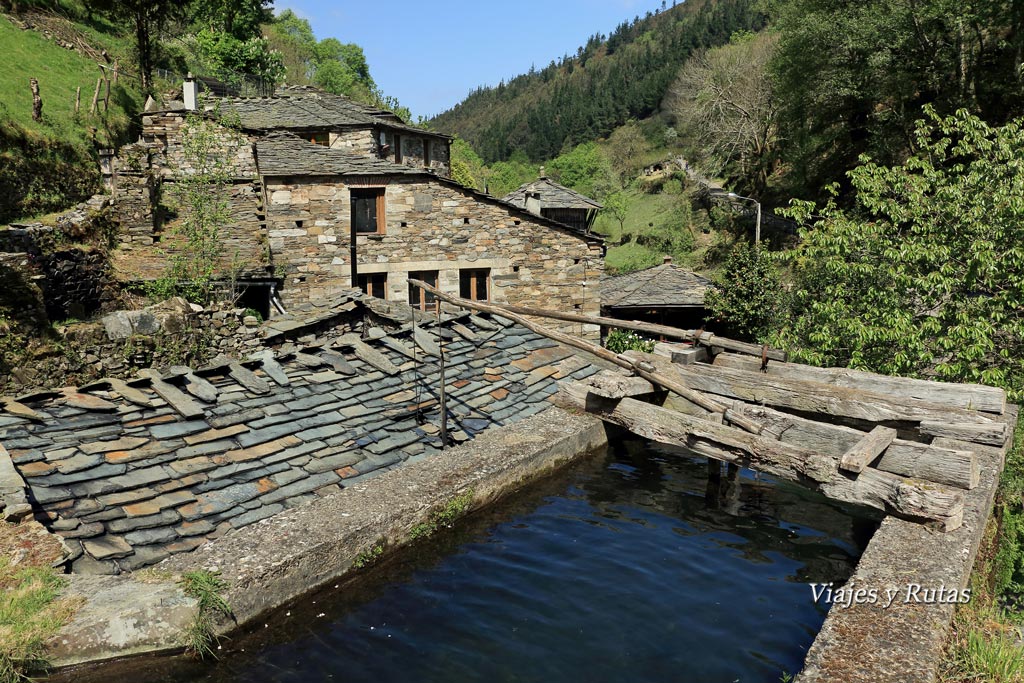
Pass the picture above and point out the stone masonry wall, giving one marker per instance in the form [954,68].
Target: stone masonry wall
[429,226]
[165,131]
[412,153]
[361,142]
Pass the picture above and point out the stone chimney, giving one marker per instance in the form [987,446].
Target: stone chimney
[190,92]
[666,260]
[542,176]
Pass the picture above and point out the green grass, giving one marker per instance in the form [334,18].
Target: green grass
[59,71]
[29,615]
[200,636]
[444,517]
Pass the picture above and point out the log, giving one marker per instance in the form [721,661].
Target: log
[862,453]
[823,399]
[954,467]
[641,368]
[96,96]
[967,396]
[78,98]
[899,496]
[696,336]
[994,434]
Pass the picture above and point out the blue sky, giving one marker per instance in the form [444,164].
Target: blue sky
[431,53]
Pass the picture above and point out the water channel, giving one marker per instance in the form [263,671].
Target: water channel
[626,567]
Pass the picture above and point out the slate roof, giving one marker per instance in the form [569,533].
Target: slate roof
[552,196]
[284,154]
[661,286]
[305,108]
[130,474]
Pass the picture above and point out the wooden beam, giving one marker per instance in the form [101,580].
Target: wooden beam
[817,398]
[696,336]
[900,496]
[954,467]
[967,396]
[641,368]
[862,453]
[990,434]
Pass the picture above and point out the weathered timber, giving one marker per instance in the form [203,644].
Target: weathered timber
[954,467]
[248,379]
[641,368]
[860,455]
[271,367]
[903,497]
[367,353]
[697,336]
[338,362]
[181,402]
[994,434]
[37,100]
[615,385]
[817,398]
[967,396]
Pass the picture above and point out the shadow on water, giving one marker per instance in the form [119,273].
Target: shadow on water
[632,566]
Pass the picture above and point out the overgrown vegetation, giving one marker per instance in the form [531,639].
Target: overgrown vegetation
[369,556]
[200,637]
[444,517]
[619,341]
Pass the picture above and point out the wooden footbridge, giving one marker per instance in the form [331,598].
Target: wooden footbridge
[895,444]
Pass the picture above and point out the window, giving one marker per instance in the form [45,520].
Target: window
[320,139]
[425,301]
[398,149]
[473,283]
[374,284]
[368,211]
[426,153]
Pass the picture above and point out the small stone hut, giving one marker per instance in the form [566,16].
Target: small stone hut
[544,197]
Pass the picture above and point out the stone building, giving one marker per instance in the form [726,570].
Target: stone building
[326,194]
[666,294]
[544,197]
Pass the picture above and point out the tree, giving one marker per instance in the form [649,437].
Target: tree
[626,149]
[725,100]
[148,19]
[852,78]
[926,276]
[467,167]
[238,18]
[746,302]
[584,169]
[616,205]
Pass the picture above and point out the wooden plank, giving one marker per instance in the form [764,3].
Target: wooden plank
[954,467]
[900,496]
[248,379]
[338,362]
[967,396]
[616,385]
[818,398]
[367,353]
[196,385]
[271,367]
[862,453]
[177,399]
[994,434]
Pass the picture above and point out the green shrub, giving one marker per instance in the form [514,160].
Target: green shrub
[625,340]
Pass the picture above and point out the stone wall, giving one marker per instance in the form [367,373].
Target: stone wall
[77,283]
[430,225]
[361,142]
[164,130]
[412,152]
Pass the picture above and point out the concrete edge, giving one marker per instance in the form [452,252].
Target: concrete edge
[904,642]
[304,548]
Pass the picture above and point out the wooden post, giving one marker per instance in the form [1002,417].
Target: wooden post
[106,96]
[443,396]
[117,68]
[37,101]
[96,96]
[78,98]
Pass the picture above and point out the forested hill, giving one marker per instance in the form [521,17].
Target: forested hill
[610,80]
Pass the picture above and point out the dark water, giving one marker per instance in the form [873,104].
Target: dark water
[626,568]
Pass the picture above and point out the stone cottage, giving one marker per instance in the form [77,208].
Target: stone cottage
[544,197]
[328,194]
[666,294]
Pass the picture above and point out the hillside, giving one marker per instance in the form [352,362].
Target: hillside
[608,81]
[49,164]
